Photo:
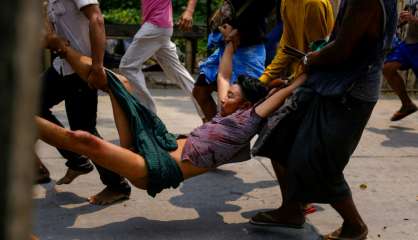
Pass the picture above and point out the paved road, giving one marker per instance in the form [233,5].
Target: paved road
[218,205]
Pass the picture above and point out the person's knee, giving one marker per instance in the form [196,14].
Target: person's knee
[86,141]
[140,182]
[391,68]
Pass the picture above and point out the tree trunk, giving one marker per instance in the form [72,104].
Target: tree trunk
[19,74]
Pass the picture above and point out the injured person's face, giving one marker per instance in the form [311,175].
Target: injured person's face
[233,101]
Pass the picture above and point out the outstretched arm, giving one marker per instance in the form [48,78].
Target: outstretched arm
[272,103]
[231,35]
[82,65]
[225,71]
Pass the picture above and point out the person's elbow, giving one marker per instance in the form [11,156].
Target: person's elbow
[94,15]
[97,19]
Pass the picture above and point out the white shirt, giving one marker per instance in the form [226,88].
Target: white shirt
[70,23]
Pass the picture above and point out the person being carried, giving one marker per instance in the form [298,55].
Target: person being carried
[150,157]
[404,56]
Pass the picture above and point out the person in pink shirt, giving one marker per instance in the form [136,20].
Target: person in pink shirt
[154,40]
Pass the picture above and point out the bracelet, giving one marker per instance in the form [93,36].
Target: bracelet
[305,60]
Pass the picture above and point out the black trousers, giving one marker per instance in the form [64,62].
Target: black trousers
[81,109]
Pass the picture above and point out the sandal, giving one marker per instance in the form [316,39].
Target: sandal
[309,210]
[267,220]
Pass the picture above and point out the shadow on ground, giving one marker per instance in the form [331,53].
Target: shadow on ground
[397,137]
[209,195]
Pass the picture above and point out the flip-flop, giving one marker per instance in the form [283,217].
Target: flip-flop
[402,114]
[309,210]
[335,236]
[266,220]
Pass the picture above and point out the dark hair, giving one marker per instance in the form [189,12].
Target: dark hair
[252,89]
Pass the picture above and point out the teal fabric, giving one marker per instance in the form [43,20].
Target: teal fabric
[150,139]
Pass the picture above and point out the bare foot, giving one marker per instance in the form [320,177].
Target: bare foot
[349,232]
[405,111]
[42,175]
[70,175]
[108,196]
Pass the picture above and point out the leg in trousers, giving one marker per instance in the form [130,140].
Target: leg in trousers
[54,90]
[169,61]
[144,45]
[81,107]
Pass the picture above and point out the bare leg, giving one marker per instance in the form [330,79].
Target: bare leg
[290,214]
[353,226]
[80,63]
[390,71]
[203,96]
[42,173]
[117,159]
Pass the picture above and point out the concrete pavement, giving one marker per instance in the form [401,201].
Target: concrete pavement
[218,205]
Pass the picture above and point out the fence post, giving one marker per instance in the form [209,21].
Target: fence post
[191,50]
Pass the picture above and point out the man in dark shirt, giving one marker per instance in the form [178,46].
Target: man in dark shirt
[312,137]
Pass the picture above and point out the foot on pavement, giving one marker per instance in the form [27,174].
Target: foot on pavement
[108,196]
[404,112]
[348,233]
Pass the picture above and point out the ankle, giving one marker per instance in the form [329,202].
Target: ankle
[357,227]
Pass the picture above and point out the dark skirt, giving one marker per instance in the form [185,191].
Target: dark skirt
[313,137]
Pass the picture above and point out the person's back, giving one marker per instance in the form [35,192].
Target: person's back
[361,69]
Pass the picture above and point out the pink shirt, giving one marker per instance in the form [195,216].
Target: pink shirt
[157,12]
